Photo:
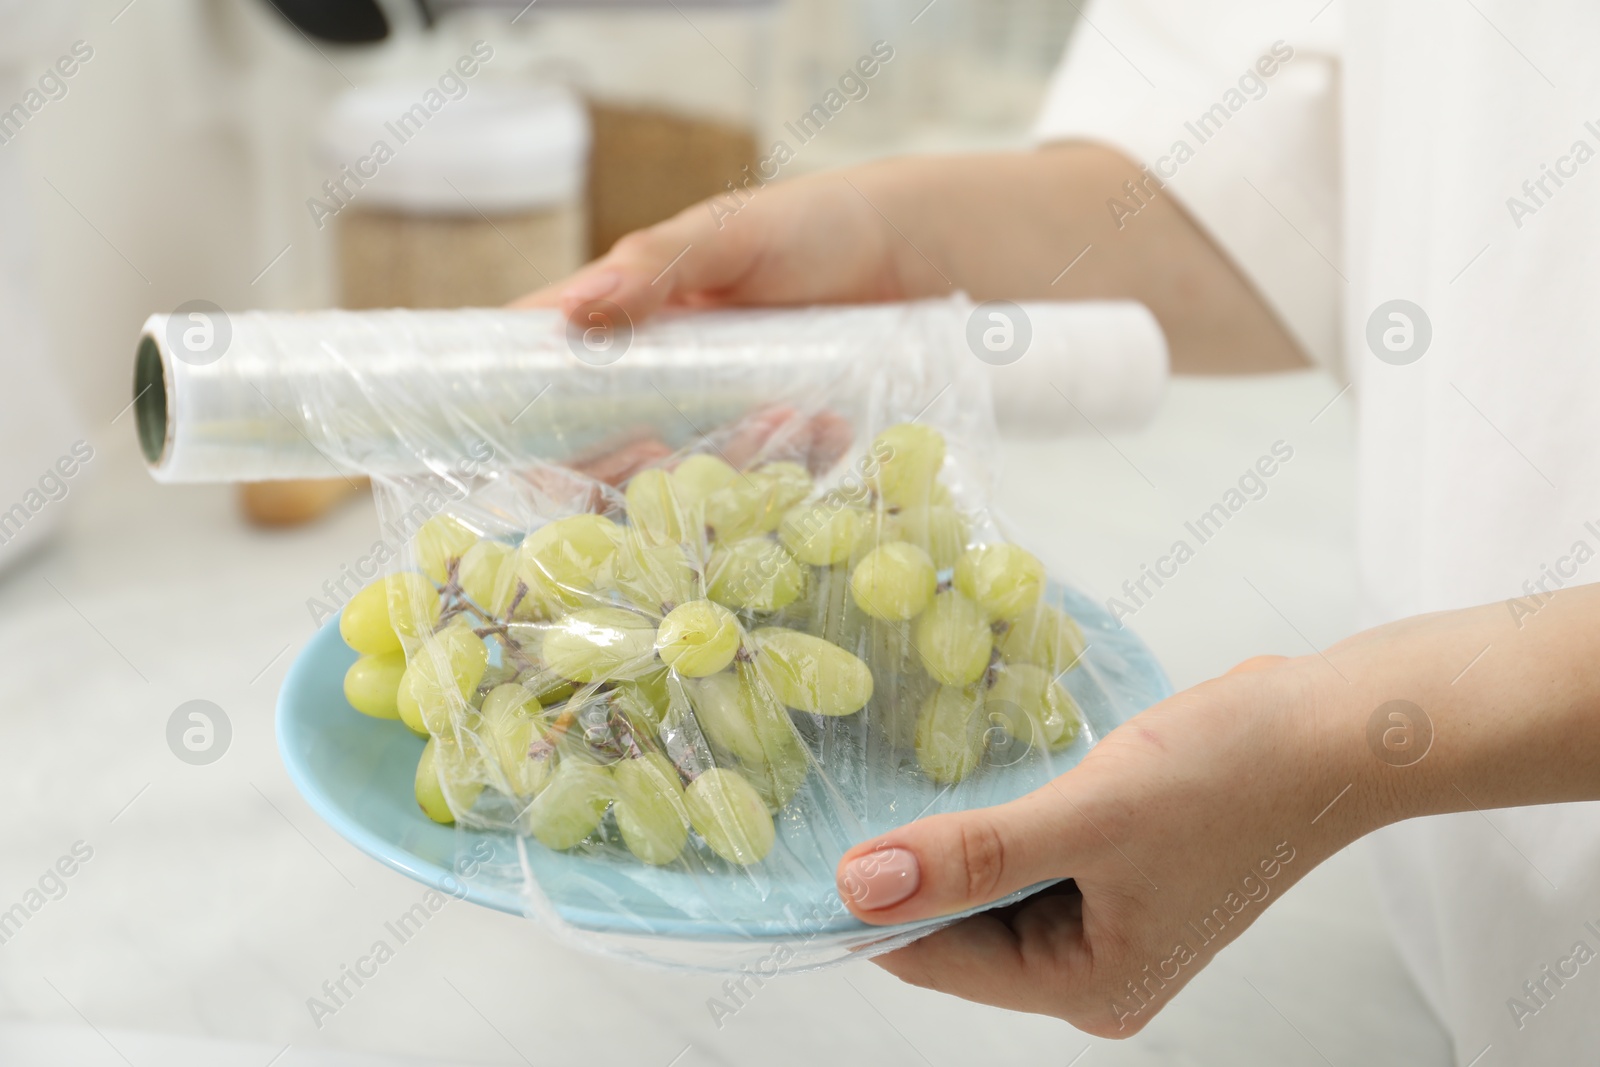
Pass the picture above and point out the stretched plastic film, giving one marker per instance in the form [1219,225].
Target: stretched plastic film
[677,627]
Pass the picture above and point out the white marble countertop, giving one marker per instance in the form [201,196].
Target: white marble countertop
[215,902]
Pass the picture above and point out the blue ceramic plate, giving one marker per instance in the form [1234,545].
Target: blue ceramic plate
[356,772]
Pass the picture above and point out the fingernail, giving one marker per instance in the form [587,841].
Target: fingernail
[593,287]
[880,879]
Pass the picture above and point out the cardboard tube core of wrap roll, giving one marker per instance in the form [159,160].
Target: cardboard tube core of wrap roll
[337,394]
[150,406]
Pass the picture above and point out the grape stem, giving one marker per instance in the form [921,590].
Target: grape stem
[455,597]
[684,772]
[621,734]
[992,673]
[542,748]
[510,644]
[457,602]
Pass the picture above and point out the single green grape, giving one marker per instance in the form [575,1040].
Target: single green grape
[755,502]
[570,806]
[954,640]
[644,701]
[754,572]
[512,721]
[398,605]
[654,512]
[810,674]
[546,684]
[419,706]
[950,739]
[732,817]
[739,714]
[737,510]
[1005,580]
[750,722]
[440,540]
[653,578]
[785,484]
[425,710]
[601,645]
[698,638]
[891,648]
[1051,713]
[909,457]
[939,530]
[414,605]
[559,563]
[1046,637]
[831,612]
[456,653]
[573,548]
[655,686]
[372,684]
[875,531]
[440,676]
[444,781]
[698,476]
[822,534]
[894,581]
[480,570]
[510,700]
[780,773]
[652,814]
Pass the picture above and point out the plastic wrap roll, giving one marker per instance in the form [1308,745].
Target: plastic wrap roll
[257,396]
[1100,362]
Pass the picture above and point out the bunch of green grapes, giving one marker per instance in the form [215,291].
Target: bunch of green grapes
[635,679]
[610,679]
[963,629]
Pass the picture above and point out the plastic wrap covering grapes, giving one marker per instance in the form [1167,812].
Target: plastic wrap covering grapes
[675,678]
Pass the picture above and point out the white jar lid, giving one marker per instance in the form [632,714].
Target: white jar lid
[496,149]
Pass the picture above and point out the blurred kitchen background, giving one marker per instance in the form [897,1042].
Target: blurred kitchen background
[177,165]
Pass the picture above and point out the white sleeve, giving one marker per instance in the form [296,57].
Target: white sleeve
[1233,105]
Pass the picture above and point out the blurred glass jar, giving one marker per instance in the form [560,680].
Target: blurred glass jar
[681,96]
[468,203]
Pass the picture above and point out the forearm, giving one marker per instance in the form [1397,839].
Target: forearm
[1501,709]
[1010,225]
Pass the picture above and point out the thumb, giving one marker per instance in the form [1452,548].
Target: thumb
[950,863]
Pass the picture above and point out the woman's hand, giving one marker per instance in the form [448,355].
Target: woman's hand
[1176,832]
[1181,826]
[1011,226]
[812,240]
